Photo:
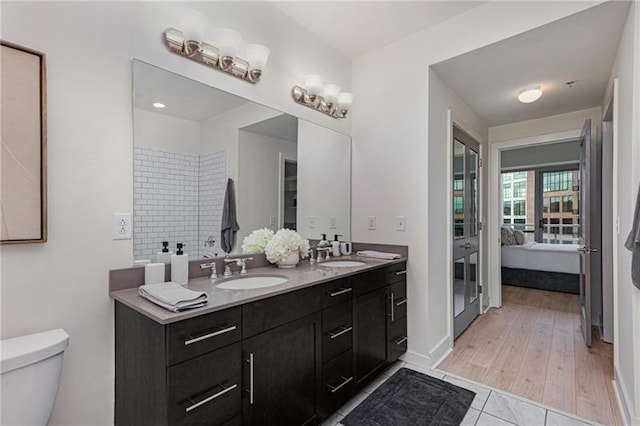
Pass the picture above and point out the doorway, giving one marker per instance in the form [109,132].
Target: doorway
[465,244]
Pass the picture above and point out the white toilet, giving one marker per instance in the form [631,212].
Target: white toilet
[31,367]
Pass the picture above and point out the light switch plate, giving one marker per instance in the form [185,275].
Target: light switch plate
[371,223]
[312,222]
[272,221]
[122,226]
[401,223]
[333,222]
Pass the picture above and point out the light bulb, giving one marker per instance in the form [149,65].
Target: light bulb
[530,94]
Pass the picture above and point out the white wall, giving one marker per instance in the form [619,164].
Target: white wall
[258,183]
[89,47]
[324,174]
[393,143]
[627,156]
[165,133]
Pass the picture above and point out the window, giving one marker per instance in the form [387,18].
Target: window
[506,191]
[458,184]
[506,177]
[554,204]
[519,175]
[557,181]
[567,229]
[458,228]
[520,190]
[506,221]
[545,205]
[567,203]
[519,224]
[506,208]
[520,208]
[458,205]
[555,229]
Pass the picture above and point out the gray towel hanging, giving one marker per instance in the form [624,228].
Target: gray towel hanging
[633,244]
[229,224]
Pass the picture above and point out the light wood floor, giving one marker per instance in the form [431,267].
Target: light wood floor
[533,347]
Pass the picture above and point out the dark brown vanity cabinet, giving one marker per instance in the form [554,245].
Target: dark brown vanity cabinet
[380,320]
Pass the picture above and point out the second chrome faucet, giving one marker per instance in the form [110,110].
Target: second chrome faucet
[242,262]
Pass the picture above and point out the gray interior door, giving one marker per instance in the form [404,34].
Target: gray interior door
[466,247]
[587,156]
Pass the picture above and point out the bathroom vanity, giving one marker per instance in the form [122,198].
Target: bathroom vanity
[286,355]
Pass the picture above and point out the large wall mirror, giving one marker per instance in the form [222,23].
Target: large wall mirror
[287,172]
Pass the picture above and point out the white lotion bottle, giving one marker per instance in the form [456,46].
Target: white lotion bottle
[335,245]
[180,266]
[164,256]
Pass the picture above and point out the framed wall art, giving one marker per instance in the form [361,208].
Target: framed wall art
[23,158]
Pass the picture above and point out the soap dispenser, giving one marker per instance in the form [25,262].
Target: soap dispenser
[335,245]
[323,242]
[164,256]
[180,266]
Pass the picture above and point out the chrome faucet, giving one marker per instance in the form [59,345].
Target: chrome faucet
[326,250]
[211,265]
[209,241]
[241,261]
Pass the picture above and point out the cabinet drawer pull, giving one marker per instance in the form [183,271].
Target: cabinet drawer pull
[342,330]
[211,398]
[402,302]
[250,361]
[346,381]
[393,316]
[402,272]
[339,292]
[210,335]
[401,340]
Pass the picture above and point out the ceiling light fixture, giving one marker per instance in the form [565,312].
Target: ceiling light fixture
[324,98]
[158,105]
[222,54]
[530,94]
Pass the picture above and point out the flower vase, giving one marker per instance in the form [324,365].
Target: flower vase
[290,260]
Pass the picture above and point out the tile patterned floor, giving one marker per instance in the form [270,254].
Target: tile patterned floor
[489,408]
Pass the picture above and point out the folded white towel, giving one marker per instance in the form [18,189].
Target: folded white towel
[378,254]
[173,296]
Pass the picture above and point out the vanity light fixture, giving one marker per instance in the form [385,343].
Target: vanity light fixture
[324,98]
[530,94]
[159,105]
[221,53]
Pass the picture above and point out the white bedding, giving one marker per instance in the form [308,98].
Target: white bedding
[542,257]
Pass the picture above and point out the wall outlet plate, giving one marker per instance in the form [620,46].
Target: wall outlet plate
[371,223]
[312,222]
[122,226]
[333,222]
[401,223]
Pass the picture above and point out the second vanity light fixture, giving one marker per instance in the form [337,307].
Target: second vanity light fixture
[222,53]
[327,99]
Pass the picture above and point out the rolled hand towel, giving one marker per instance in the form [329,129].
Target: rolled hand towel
[172,296]
[378,254]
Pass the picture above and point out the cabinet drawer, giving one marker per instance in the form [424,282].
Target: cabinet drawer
[337,383]
[373,280]
[397,344]
[190,338]
[337,330]
[202,392]
[269,313]
[398,308]
[337,291]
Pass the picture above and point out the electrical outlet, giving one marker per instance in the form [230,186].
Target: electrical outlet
[312,222]
[272,221]
[401,223]
[333,222]
[122,226]
[371,223]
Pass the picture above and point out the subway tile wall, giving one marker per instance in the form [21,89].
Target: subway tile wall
[213,179]
[167,200]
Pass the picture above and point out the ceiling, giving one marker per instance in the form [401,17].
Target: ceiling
[356,27]
[282,126]
[581,47]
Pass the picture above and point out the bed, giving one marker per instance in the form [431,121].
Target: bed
[543,266]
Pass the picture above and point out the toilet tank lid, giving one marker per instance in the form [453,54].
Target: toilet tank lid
[24,350]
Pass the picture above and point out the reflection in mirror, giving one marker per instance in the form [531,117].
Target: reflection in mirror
[458,189]
[473,281]
[459,272]
[285,170]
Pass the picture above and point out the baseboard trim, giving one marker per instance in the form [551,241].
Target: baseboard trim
[440,352]
[624,403]
[416,359]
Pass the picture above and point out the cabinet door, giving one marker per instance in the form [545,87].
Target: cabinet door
[281,374]
[370,333]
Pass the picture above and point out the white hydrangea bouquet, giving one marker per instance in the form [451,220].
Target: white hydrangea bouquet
[257,241]
[285,248]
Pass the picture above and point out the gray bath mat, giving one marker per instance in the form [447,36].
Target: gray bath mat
[411,398]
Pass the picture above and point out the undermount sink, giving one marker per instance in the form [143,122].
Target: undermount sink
[341,263]
[252,282]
